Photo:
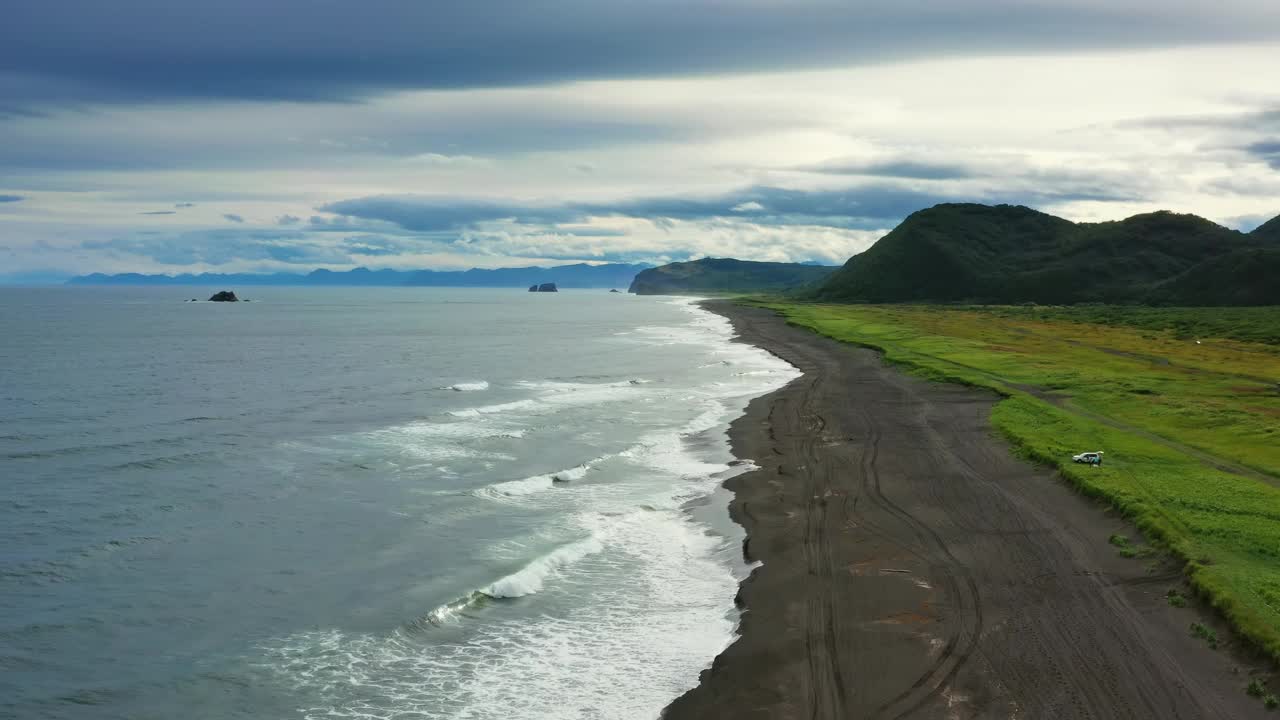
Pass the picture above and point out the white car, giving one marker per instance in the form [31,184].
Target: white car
[1088,458]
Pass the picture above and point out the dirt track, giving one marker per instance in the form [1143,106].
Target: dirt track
[912,568]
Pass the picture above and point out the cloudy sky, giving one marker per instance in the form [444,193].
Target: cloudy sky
[242,135]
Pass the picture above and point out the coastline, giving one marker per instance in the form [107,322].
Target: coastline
[912,567]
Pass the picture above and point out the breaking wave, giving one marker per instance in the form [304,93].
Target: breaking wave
[603,659]
[554,396]
[599,554]
[495,409]
[538,483]
[529,579]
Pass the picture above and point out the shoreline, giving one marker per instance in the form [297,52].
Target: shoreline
[912,567]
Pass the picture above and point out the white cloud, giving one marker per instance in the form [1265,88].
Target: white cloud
[442,160]
[1159,129]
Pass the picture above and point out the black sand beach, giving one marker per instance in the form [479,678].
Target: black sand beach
[914,568]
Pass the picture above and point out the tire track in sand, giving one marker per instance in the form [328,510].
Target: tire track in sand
[912,568]
[959,584]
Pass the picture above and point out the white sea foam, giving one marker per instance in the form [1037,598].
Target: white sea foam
[538,483]
[713,415]
[671,335]
[450,612]
[669,453]
[509,407]
[469,386]
[451,430]
[574,636]
[517,488]
[560,386]
[432,441]
[552,397]
[637,572]
[529,579]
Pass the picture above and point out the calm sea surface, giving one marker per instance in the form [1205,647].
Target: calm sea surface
[372,503]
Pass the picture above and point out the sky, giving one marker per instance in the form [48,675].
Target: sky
[168,136]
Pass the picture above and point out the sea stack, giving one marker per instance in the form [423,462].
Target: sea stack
[544,287]
[224,296]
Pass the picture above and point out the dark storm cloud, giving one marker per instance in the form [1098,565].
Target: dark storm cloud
[11,198]
[236,136]
[757,218]
[867,207]
[75,51]
[1266,150]
[1262,119]
[897,169]
[861,208]
[238,245]
[426,214]
[219,247]
[1007,171]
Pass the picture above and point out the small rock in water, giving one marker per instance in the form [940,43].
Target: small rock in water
[224,296]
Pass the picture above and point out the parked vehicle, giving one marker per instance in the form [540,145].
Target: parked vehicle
[1088,458]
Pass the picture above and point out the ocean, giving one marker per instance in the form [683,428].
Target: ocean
[364,503]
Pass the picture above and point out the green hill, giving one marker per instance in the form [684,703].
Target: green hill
[1011,254]
[724,275]
[1268,231]
[1244,277]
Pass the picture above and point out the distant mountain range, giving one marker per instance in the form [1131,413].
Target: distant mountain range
[581,275]
[1013,254]
[957,252]
[725,275]
[1006,254]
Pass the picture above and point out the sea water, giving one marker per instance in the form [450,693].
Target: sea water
[364,503]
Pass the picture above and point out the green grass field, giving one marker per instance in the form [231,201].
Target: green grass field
[1251,324]
[1191,430]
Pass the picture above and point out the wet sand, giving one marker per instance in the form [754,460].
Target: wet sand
[913,568]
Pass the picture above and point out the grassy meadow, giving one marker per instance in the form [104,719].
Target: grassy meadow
[1251,324]
[1191,430]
